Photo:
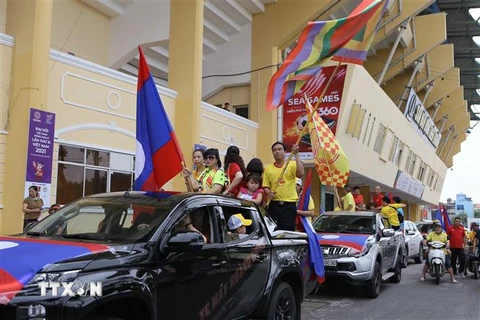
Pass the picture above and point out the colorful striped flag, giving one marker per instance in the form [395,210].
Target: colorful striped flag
[158,154]
[316,256]
[330,160]
[344,40]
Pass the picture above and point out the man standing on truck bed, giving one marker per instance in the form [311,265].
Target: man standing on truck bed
[283,202]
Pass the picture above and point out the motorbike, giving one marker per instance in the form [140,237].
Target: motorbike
[473,260]
[436,260]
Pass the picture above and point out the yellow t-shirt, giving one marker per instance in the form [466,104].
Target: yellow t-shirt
[286,188]
[471,235]
[347,201]
[433,236]
[391,214]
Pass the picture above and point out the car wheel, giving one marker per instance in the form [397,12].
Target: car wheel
[282,304]
[405,259]
[418,259]
[397,277]
[372,290]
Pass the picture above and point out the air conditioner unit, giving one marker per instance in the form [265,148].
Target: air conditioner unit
[407,36]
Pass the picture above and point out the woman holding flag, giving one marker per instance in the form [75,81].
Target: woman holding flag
[213,179]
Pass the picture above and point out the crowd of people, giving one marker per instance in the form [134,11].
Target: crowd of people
[276,187]
[458,245]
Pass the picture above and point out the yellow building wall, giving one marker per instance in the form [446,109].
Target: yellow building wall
[220,129]
[3,16]
[80,29]
[236,96]
[6,52]
[377,103]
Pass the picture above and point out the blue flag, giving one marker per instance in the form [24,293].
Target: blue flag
[316,256]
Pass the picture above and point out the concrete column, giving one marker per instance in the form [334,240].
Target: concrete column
[30,23]
[264,53]
[185,73]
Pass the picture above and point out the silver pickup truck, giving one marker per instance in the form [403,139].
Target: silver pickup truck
[360,248]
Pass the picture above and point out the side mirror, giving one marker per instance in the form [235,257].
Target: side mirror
[388,232]
[189,241]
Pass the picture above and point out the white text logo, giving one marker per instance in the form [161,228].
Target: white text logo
[70,289]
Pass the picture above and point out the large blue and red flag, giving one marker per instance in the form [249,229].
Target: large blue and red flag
[316,256]
[442,215]
[22,258]
[158,154]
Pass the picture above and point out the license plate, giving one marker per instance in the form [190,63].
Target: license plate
[330,263]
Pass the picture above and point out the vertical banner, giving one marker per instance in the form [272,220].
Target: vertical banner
[40,153]
[295,113]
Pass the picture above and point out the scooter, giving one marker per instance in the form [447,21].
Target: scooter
[436,260]
[473,260]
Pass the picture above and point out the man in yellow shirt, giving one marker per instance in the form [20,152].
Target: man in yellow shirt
[389,211]
[348,202]
[439,235]
[283,199]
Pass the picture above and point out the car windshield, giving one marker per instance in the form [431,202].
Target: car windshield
[106,219]
[345,224]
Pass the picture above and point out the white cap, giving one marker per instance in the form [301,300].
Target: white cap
[299,182]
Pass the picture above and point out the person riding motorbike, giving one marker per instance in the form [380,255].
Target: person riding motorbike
[439,235]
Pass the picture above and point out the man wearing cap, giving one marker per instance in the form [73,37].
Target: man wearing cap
[237,227]
[439,235]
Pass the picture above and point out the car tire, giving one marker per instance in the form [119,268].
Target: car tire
[397,277]
[404,263]
[418,259]
[283,304]
[372,289]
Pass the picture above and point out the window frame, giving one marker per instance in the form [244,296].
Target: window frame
[380,139]
[85,166]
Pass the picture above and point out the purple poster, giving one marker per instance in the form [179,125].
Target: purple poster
[40,146]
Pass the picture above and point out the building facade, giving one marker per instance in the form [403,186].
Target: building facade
[77,60]
[464,205]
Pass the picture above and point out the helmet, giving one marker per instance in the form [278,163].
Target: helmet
[475,224]
[436,225]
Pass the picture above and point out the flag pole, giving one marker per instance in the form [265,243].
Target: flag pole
[310,117]
[187,179]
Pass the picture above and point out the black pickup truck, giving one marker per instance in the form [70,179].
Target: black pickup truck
[140,255]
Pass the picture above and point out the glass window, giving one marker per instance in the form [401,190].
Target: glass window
[345,224]
[95,181]
[84,171]
[120,181]
[69,183]
[71,154]
[380,138]
[98,158]
[115,219]
[421,170]
[394,151]
[242,111]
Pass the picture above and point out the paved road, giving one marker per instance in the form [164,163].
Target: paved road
[410,299]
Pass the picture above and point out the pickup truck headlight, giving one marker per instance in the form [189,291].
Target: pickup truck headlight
[64,276]
[366,248]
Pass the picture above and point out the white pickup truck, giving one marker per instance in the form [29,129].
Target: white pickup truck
[360,248]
